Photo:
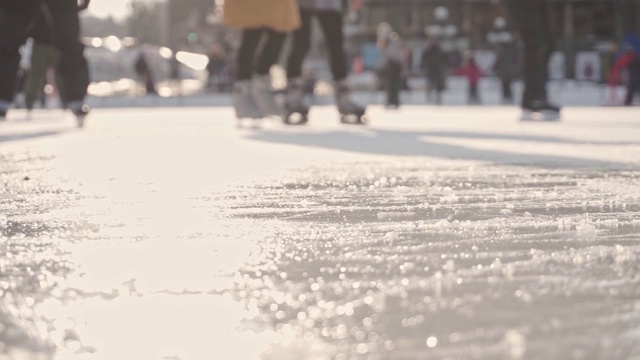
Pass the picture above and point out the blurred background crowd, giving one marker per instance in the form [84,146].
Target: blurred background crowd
[181,47]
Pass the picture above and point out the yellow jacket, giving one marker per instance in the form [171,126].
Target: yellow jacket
[278,15]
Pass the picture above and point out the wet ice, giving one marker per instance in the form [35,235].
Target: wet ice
[271,255]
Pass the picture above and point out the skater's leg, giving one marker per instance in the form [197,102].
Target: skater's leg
[270,51]
[295,101]
[301,41]
[246,53]
[262,89]
[72,67]
[243,100]
[42,57]
[474,98]
[631,90]
[428,89]
[13,33]
[331,23]
[504,85]
[531,20]
[393,83]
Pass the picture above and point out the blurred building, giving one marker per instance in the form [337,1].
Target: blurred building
[578,25]
[195,24]
[475,19]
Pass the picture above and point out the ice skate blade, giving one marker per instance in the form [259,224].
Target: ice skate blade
[540,116]
[80,121]
[296,116]
[354,119]
[249,122]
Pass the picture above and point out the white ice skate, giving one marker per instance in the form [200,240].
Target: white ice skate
[262,92]
[296,108]
[350,112]
[245,105]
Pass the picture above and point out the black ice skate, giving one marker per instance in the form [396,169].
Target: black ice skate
[4,109]
[296,109]
[350,112]
[540,111]
[80,110]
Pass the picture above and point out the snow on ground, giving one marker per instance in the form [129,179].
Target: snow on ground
[439,233]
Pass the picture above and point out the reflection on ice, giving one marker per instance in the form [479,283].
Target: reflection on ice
[364,259]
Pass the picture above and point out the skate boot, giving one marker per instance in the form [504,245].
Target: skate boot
[350,112]
[244,103]
[296,109]
[80,110]
[540,110]
[263,96]
[4,109]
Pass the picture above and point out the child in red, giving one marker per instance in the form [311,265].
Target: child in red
[631,61]
[473,73]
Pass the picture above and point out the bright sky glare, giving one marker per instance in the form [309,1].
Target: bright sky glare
[105,8]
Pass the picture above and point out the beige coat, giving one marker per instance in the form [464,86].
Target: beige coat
[278,15]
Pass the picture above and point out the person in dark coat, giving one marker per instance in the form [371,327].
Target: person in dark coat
[43,57]
[72,68]
[144,72]
[434,67]
[217,68]
[505,68]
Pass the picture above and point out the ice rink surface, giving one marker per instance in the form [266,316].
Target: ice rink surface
[433,233]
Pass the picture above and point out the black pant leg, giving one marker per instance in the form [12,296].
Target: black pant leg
[331,23]
[394,70]
[631,89]
[507,92]
[247,51]
[72,68]
[22,7]
[270,51]
[13,33]
[474,98]
[531,19]
[300,45]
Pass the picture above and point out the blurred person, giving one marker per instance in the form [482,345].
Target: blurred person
[143,69]
[329,14]
[43,57]
[23,72]
[629,60]
[505,68]
[217,68]
[175,76]
[392,54]
[71,65]
[531,20]
[266,21]
[434,67]
[473,74]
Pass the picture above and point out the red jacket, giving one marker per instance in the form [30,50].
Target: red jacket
[618,66]
[471,71]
